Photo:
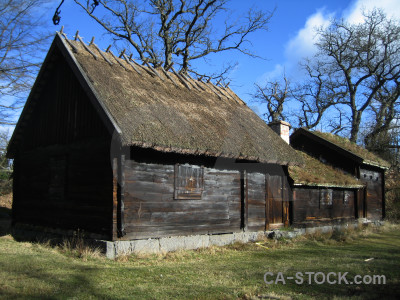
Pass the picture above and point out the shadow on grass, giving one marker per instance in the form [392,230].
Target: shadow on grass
[73,282]
[227,273]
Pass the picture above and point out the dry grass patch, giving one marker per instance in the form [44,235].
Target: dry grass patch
[236,271]
[6,200]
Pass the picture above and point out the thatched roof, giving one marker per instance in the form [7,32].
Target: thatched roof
[167,112]
[343,146]
[368,157]
[316,173]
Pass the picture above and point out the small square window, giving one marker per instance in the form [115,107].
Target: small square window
[326,198]
[189,182]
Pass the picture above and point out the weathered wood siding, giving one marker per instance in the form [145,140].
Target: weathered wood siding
[151,210]
[255,201]
[278,197]
[63,174]
[373,205]
[63,114]
[359,203]
[309,208]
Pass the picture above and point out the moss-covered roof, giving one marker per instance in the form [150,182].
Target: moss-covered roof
[159,111]
[367,156]
[316,173]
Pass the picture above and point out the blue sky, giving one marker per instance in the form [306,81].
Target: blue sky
[289,38]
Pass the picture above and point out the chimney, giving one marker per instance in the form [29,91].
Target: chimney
[281,128]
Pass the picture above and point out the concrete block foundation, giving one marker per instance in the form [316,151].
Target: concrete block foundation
[175,243]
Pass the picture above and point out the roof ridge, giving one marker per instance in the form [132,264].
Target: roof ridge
[375,160]
[150,113]
[186,80]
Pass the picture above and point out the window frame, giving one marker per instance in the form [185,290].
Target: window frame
[326,198]
[186,192]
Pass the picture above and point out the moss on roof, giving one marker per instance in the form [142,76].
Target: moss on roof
[316,173]
[167,116]
[368,157]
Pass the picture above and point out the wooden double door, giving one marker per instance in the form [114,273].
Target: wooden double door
[266,201]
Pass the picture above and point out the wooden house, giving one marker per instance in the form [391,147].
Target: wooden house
[321,194]
[353,161]
[124,151]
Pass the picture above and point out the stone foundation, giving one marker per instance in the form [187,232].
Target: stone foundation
[175,243]
[168,244]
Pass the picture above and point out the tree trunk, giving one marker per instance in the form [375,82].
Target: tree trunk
[355,126]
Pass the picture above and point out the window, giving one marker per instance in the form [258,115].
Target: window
[346,196]
[189,182]
[325,197]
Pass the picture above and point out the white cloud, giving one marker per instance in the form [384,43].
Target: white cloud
[302,44]
[299,47]
[277,72]
[354,13]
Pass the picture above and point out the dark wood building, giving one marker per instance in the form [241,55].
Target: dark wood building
[321,194]
[353,161]
[126,151]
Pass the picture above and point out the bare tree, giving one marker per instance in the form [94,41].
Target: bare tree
[385,108]
[275,94]
[4,139]
[21,42]
[316,95]
[163,32]
[358,61]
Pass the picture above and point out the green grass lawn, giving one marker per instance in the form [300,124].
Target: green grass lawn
[37,271]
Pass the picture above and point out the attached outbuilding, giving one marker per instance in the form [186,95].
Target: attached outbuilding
[322,195]
[353,161]
[124,151]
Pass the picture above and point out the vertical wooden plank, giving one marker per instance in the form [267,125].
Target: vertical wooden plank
[246,198]
[285,201]
[271,208]
[361,203]
[114,233]
[383,195]
[242,200]
[365,198]
[176,172]
[356,197]
[267,197]
[121,195]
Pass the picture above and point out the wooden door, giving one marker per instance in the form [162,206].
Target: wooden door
[360,203]
[277,206]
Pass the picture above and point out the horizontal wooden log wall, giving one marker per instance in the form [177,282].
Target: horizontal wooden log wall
[152,211]
[308,209]
[373,200]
